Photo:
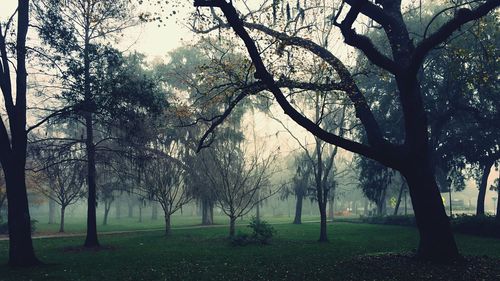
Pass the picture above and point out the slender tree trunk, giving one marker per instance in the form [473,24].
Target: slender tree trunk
[52,210]
[140,213]
[400,195]
[257,211]
[365,211]
[154,210]
[436,238]
[330,208]
[91,239]
[498,202]
[118,209]
[107,207]
[168,226]
[232,226]
[298,209]
[482,188]
[323,219]
[61,224]
[21,252]
[130,210]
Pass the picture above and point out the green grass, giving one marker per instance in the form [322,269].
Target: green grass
[204,254]
[76,224]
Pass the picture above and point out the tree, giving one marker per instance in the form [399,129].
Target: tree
[74,30]
[164,182]
[65,184]
[13,141]
[3,194]
[236,177]
[412,157]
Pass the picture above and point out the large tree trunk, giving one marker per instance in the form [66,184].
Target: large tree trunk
[52,210]
[323,219]
[298,209]
[13,150]
[207,212]
[232,226]
[61,224]
[482,188]
[21,252]
[436,238]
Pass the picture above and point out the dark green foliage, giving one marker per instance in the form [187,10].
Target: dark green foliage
[4,227]
[262,233]
[482,225]
[390,220]
[262,230]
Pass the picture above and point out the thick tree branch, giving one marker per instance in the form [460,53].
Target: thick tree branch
[462,17]
[262,73]
[363,43]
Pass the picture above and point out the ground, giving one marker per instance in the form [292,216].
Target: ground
[355,252]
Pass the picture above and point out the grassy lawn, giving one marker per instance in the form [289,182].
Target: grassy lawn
[76,224]
[204,254]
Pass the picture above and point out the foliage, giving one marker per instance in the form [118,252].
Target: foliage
[4,227]
[481,225]
[262,230]
[390,220]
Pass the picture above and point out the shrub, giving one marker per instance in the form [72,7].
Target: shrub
[262,230]
[4,227]
[390,220]
[476,225]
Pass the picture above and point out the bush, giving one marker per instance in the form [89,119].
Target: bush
[262,231]
[476,225]
[4,227]
[390,220]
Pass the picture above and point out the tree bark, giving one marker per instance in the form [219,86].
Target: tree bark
[398,203]
[52,210]
[436,238]
[118,209]
[61,224]
[91,238]
[130,210]
[168,227]
[154,210]
[21,252]
[298,209]
[323,219]
[482,188]
[207,212]
[330,208]
[232,226]
[107,207]
[13,149]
